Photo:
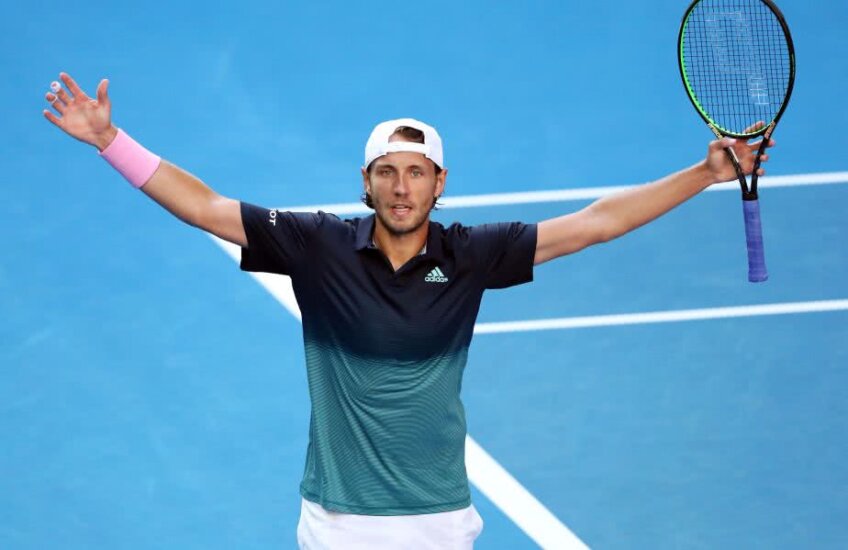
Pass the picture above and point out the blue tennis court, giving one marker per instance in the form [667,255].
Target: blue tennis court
[638,394]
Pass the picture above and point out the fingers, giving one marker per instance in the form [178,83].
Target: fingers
[723,143]
[59,99]
[73,87]
[759,125]
[64,96]
[55,102]
[52,118]
[754,127]
[102,91]
[756,145]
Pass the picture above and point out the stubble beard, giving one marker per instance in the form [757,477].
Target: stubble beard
[393,228]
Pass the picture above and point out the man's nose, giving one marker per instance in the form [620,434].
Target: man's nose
[401,186]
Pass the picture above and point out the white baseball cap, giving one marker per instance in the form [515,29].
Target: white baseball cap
[379,145]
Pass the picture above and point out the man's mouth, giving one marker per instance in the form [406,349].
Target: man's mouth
[401,209]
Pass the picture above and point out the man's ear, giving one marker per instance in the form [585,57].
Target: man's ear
[441,181]
[366,181]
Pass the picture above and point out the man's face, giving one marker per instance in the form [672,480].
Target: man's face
[402,187]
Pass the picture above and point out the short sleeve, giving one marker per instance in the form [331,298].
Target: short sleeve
[505,251]
[277,241]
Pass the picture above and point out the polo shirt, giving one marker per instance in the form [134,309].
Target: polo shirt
[385,351]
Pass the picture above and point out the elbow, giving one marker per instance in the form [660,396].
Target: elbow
[195,217]
[607,233]
[602,226]
[205,214]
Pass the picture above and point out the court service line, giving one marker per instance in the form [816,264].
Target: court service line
[584,193]
[499,486]
[661,317]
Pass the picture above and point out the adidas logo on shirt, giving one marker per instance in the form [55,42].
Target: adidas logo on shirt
[435,276]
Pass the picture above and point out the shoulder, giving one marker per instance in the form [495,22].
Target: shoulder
[470,235]
[316,221]
[455,236]
[454,231]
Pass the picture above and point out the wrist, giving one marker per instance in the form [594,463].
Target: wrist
[703,175]
[131,159]
[102,140]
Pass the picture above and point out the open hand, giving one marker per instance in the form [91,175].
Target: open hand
[721,167]
[88,120]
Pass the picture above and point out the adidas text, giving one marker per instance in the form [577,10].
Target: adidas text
[435,276]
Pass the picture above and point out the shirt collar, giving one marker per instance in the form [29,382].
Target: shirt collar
[364,230]
[365,237]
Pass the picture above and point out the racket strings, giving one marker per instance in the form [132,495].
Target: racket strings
[736,62]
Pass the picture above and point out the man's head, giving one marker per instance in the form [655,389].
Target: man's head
[403,174]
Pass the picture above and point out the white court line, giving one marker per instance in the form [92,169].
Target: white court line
[484,472]
[585,193]
[515,501]
[661,317]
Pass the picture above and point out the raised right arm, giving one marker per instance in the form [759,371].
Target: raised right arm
[192,201]
[179,192]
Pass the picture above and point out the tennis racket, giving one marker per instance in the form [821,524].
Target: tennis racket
[737,62]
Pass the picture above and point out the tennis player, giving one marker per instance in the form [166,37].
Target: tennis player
[389,303]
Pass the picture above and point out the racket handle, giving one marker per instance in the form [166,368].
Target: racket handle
[754,235]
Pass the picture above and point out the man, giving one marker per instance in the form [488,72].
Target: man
[389,304]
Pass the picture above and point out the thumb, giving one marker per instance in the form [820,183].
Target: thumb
[102,95]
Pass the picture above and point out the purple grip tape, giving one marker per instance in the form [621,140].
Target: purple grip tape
[754,235]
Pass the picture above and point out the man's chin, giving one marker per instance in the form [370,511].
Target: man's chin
[401,228]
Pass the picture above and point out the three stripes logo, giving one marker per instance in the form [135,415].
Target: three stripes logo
[435,276]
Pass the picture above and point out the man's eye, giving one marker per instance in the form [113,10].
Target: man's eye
[385,172]
[416,173]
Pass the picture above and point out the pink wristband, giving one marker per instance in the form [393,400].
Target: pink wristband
[128,157]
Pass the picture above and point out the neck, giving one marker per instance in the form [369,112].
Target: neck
[399,249]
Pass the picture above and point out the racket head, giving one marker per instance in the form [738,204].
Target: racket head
[737,63]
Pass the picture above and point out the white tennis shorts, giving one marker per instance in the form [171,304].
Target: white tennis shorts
[319,529]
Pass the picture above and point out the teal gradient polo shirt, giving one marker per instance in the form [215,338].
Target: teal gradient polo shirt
[386,351]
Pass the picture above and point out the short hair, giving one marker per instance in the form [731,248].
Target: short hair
[412,135]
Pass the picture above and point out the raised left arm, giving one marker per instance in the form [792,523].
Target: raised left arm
[613,216]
